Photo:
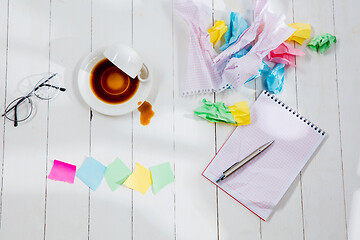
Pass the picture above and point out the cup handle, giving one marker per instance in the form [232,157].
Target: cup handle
[144,74]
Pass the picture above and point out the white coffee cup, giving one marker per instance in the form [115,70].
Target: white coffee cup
[128,60]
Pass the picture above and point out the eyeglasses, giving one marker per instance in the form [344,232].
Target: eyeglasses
[21,108]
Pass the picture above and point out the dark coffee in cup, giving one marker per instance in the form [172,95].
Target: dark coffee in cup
[110,84]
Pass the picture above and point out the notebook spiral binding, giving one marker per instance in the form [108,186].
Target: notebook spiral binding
[316,128]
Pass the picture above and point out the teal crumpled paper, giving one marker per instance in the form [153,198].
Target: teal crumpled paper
[215,112]
[321,43]
[263,70]
[275,79]
[236,27]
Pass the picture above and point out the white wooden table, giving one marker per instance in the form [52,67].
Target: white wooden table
[38,36]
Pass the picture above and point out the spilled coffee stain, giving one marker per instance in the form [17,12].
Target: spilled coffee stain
[146,113]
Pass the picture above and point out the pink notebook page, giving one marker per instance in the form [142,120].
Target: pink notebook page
[261,183]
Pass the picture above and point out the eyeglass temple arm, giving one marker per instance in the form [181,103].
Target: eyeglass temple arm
[15,118]
[60,88]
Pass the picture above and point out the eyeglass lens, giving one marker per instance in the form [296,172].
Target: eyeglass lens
[48,87]
[19,110]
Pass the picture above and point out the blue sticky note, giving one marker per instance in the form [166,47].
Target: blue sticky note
[236,27]
[275,79]
[91,173]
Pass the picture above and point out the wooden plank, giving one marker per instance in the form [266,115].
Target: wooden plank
[69,129]
[111,137]
[286,221]
[196,204]
[347,30]
[23,193]
[3,67]
[234,219]
[154,216]
[323,197]
[230,213]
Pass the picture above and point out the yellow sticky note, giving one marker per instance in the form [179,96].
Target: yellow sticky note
[140,180]
[217,31]
[302,32]
[241,113]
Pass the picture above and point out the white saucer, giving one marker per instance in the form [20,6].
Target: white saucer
[96,104]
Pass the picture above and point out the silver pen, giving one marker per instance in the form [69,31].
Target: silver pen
[241,163]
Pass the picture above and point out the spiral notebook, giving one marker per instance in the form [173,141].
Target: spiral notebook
[261,183]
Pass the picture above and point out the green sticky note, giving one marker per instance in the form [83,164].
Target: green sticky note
[321,43]
[116,173]
[162,175]
[215,112]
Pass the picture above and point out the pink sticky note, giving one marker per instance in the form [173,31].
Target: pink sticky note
[62,171]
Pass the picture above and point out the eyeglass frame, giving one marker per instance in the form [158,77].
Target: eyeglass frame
[21,99]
